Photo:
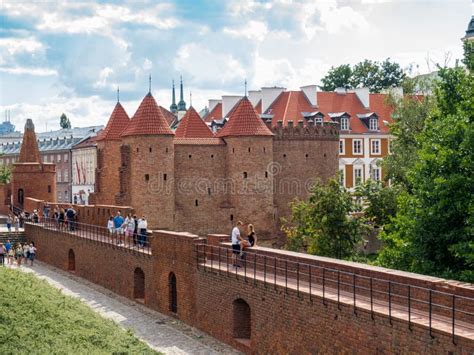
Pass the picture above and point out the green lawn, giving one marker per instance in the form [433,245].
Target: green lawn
[36,318]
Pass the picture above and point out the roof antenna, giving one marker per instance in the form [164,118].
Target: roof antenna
[245,83]
[190,98]
[118,94]
[149,84]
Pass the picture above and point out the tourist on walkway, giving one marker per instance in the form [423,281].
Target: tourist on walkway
[35,217]
[236,240]
[251,240]
[7,246]
[18,254]
[9,223]
[11,256]
[118,223]
[32,253]
[16,223]
[70,215]
[111,226]
[2,254]
[46,210]
[61,218]
[135,230]
[26,252]
[142,227]
[129,227]
[22,219]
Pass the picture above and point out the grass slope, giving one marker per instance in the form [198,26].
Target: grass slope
[36,318]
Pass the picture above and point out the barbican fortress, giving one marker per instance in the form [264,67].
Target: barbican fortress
[202,182]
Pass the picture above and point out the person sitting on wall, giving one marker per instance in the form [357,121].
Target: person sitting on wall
[251,240]
[46,210]
[236,242]
[118,222]
[70,214]
[35,217]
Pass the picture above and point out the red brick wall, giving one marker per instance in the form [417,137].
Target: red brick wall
[107,174]
[37,181]
[280,322]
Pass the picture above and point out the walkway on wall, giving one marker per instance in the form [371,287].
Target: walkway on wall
[160,332]
[432,309]
[98,234]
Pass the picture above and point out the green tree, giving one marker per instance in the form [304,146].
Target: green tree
[391,74]
[323,225]
[367,74]
[337,77]
[380,202]
[64,122]
[5,174]
[433,231]
[469,55]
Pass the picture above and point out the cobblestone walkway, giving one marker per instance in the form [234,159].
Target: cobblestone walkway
[160,332]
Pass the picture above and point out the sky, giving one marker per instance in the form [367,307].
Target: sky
[71,56]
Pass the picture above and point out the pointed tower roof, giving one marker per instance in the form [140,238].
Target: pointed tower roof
[117,123]
[192,126]
[244,121]
[148,120]
[29,152]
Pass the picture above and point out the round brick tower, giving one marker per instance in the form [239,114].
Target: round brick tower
[31,177]
[249,167]
[147,171]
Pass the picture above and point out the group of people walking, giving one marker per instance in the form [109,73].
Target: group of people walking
[18,253]
[239,243]
[133,229]
[65,217]
[13,221]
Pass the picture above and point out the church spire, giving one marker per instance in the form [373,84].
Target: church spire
[174,107]
[181,103]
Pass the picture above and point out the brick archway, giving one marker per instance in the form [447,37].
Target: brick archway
[173,291]
[71,266]
[139,284]
[241,319]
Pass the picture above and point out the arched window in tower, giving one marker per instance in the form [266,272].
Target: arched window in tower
[173,292]
[242,319]
[21,196]
[139,285]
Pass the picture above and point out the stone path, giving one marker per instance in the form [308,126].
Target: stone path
[160,332]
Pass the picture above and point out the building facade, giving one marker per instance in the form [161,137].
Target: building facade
[84,164]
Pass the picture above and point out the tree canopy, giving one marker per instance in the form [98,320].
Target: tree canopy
[371,74]
[64,121]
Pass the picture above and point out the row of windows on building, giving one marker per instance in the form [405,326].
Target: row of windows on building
[358,176]
[357,147]
[373,124]
[47,158]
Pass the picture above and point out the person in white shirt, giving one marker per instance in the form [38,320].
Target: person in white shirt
[111,226]
[32,253]
[236,239]
[142,228]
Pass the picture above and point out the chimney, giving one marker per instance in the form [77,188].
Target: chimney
[363,95]
[340,91]
[290,124]
[300,123]
[269,95]
[280,123]
[311,94]
[255,96]
[228,103]
[213,103]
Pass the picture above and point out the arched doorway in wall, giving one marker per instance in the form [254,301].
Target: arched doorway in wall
[139,285]
[173,293]
[71,266]
[241,319]
[21,196]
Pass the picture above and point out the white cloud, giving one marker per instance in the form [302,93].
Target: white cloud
[29,71]
[20,45]
[147,64]
[103,76]
[253,30]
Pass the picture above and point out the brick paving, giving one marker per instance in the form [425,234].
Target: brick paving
[160,332]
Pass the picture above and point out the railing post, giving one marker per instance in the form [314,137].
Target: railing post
[430,313]
[227,260]
[219,260]
[354,291]
[390,302]
[245,270]
[286,275]
[409,307]
[298,279]
[324,286]
[275,272]
[309,276]
[255,269]
[371,300]
[454,318]
[338,290]
[265,271]
[212,256]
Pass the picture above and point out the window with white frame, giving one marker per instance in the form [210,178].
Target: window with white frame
[58,158]
[357,146]
[66,158]
[66,176]
[375,146]
[58,176]
[376,173]
[318,119]
[373,124]
[344,124]
[60,196]
[341,176]
[390,142]
[357,175]
[342,146]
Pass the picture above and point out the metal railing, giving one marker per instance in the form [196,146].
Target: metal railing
[410,302]
[136,241]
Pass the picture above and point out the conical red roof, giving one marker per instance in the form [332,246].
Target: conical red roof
[118,122]
[148,120]
[244,121]
[192,126]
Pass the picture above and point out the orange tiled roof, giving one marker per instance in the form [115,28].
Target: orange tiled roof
[198,141]
[244,121]
[148,120]
[192,126]
[215,114]
[168,115]
[117,123]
